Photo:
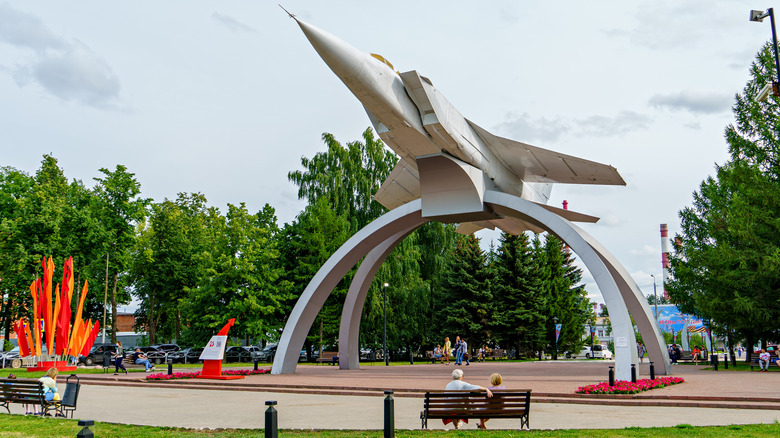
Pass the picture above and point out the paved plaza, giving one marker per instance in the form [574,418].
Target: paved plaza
[324,397]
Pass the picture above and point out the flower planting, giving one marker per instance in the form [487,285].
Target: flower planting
[193,375]
[626,387]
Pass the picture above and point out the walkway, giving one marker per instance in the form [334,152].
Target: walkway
[324,397]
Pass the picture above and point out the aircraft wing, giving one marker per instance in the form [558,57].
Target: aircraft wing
[516,226]
[534,164]
[400,187]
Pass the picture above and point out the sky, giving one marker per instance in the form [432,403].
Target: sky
[224,98]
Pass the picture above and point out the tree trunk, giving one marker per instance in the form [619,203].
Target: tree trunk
[113,311]
[151,322]
[749,349]
[178,324]
[7,319]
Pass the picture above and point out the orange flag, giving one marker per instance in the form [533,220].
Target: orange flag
[36,324]
[77,323]
[48,316]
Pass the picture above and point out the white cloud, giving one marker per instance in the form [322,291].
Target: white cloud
[623,123]
[75,74]
[645,250]
[693,102]
[524,127]
[25,30]
[68,70]
[231,23]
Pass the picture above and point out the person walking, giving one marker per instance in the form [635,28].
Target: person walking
[640,349]
[465,354]
[119,356]
[447,349]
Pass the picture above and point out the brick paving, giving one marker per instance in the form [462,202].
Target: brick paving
[325,397]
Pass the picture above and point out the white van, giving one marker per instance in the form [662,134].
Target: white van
[598,352]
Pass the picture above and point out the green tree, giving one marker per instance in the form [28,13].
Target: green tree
[566,298]
[726,261]
[239,279]
[467,300]
[520,315]
[120,208]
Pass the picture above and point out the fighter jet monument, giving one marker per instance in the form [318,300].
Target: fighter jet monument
[452,170]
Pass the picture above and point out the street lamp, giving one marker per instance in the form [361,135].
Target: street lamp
[759,16]
[105,299]
[655,299]
[384,311]
[555,332]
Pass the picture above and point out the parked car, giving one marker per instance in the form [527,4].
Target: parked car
[10,358]
[267,353]
[172,352]
[597,352]
[241,353]
[192,354]
[99,353]
[155,355]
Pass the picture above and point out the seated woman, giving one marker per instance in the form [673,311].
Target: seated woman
[438,354]
[496,382]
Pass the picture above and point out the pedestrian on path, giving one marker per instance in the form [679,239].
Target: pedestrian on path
[119,356]
[447,349]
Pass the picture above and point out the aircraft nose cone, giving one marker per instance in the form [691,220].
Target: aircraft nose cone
[341,57]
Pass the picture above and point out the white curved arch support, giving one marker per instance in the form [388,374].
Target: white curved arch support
[625,342]
[637,306]
[319,288]
[349,330]
[381,236]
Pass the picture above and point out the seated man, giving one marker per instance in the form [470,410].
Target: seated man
[763,361]
[457,384]
[140,358]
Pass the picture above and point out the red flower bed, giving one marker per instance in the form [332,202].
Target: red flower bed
[174,376]
[626,387]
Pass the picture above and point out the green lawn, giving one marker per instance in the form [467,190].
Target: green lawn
[20,426]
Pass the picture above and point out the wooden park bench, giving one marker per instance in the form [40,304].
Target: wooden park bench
[30,392]
[496,353]
[430,357]
[475,404]
[772,361]
[328,356]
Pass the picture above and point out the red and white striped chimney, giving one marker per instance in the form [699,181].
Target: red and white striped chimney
[665,256]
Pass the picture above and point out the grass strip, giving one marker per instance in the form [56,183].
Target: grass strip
[33,427]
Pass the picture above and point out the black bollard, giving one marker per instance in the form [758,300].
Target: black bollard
[633,373]
[611,376]
[271,424]
[170,367]
[652,371]
[255,364]
[389,415]
[726,360]
[85,432]
[715,362]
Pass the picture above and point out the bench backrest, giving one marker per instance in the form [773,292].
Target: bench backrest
[452,404]
[21,391]
[329,354]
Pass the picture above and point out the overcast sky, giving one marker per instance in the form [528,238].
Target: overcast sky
[223,98]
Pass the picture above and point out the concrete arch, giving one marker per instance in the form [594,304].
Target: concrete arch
[405,217]
[381,236]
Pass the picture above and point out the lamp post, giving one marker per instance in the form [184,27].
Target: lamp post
[555,332]
[759,16]
[105,299]
[655,299]
[384,311]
